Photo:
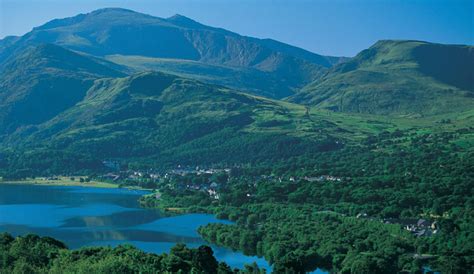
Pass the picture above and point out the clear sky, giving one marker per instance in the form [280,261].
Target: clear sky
[331,27]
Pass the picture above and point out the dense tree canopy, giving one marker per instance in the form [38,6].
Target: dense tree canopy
[34,254]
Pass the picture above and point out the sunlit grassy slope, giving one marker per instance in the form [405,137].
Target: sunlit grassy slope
[409,78]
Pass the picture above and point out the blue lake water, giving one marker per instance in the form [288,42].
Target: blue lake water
[84,216]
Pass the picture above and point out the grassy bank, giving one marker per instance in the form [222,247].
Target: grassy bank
[61,181]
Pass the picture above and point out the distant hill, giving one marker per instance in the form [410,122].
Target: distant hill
[41,81]
[123,32]
[250,80]
[398,77]
[168,119]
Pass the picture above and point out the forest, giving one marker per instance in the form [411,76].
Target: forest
[345,224]
[34,254]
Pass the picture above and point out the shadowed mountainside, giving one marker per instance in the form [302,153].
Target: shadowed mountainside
[41,81]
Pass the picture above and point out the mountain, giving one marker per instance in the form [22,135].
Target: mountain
[398,77]
[282,68]
[168,119]
[61,107]
[94,98]
[41,81]
[250,80]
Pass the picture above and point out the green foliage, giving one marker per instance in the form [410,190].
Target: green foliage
[301,238]
[302,224]
[33,254]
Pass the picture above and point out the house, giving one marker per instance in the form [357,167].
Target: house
[213,194]
[419,227]
[323,178]
[332,178]
[312,179]
[154,176]
[423,223]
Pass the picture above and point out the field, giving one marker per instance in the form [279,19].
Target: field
[61,181]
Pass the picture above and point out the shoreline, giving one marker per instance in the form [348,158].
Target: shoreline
[63,182]
[53,183]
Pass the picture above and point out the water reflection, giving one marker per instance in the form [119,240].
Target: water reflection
[119,219]
[81,216]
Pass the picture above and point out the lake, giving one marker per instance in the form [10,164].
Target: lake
[85,216]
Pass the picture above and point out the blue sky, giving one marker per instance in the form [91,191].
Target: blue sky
[331,27]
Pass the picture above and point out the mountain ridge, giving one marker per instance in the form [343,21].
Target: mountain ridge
[402,77]
[114,31]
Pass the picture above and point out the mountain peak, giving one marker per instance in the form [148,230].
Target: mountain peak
[120,14]
[396,42]
[178,16]
[273,68]
[183,21]
[108,10]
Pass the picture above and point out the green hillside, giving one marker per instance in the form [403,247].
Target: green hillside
[153,119]
[41,81]
[59,106]
[398,77]
[156,119]
[167,119]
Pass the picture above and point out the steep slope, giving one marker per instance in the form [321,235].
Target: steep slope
[7,42]
[124,32]
[41,81]
[398,77]
[250,80]
[167,119]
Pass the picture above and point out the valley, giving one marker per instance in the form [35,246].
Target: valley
[268,152]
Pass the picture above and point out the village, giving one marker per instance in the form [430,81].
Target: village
[207,179]
[211,180]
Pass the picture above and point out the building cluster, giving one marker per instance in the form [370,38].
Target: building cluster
[197,171]
[418,227]
[323,178]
